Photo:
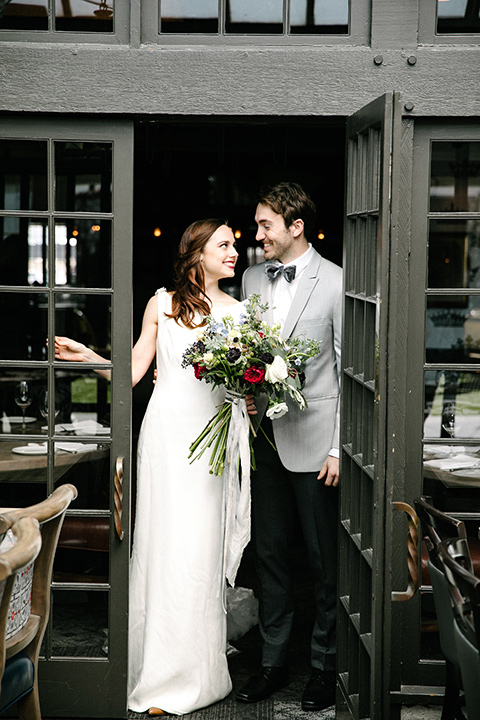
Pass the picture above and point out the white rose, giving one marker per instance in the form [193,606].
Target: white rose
[277,370]
[276,411]
[208,358]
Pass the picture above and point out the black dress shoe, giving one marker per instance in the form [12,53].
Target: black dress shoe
[320,691]
[263,684]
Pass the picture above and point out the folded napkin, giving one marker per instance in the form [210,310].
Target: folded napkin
[75,447]
[456,462]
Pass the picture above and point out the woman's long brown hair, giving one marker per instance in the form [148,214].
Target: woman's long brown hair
[189,294]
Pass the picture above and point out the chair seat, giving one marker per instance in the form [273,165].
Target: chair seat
[17,680]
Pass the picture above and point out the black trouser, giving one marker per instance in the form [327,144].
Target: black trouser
[275,492]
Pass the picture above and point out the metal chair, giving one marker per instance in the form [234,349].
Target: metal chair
[465,598]
[17,672]
[50,514]
[437,526]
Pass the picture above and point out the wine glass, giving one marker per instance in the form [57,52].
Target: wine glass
[450,424]
[23,398]
[43,405]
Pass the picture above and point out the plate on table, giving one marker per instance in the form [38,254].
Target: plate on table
[30,450]
[16,420]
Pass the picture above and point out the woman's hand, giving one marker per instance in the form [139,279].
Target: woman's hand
[68,349]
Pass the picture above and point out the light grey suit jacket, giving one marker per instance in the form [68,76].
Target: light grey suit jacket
[304,438]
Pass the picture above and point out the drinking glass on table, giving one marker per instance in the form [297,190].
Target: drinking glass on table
[450,423]
[43,405]
[23,398]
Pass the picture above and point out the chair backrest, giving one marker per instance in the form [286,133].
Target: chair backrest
[436,524]
[465,598]
[20,555]
[50,514]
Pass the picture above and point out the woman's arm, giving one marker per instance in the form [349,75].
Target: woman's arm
[73,351]
[142,353]
[144,349]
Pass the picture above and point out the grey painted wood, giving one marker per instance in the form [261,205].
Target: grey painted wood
[155,80]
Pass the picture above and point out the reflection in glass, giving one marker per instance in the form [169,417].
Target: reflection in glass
[452,329]
[83,176]
[30,485]
[454,254]
[254,17]
[84,464]
[189,16]
[85,318]
[23,326]
[450,393]
[83,253]
[85,402]
[79,624]
[23,174]
[84,16]
[11,413]
[82,551]
[319,16]
[25,15]
[455,177]
[23,251]
[457,16]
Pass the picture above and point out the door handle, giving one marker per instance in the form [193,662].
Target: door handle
[412,552]
[118,498]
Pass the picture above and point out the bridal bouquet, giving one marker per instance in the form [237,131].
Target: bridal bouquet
[247,358]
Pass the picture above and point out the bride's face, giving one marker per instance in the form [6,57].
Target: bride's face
[219,255]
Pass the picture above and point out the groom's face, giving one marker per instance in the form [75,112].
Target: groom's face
[278,240]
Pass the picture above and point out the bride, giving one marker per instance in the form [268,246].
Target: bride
[177,624]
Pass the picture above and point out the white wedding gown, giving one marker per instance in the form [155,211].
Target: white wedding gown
[177,624]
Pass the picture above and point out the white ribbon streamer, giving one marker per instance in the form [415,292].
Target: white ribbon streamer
[236,487]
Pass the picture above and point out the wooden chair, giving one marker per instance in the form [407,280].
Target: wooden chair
[437,526]
[17,672]
[50,514]
[464,587]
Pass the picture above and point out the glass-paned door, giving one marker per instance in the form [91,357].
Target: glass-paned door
[65,269]
[363,497]
[444,404]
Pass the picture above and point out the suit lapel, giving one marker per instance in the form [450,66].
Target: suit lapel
[305,288]
[265,293]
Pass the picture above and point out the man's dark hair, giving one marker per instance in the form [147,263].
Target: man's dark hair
[291,202]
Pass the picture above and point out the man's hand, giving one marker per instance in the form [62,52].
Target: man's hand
[330,471]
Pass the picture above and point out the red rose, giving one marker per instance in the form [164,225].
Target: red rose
[254,375]
[199,370]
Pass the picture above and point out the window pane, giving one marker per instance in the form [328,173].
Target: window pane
[85,318]
[86,465]
[457,16]
[454,254]
[79,624]
[23,174]
[25,15]
[455,177]
[82,551]
[83,253]
[452,405]
[189,16]
[23,325]
[23,251]
[84,397]
[20,392]
[78,16]
[319,16]
[250,16]
[83,176]
[453,329]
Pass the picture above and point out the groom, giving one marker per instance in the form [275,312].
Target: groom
[304,293]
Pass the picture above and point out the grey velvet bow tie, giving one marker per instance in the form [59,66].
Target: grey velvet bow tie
[288,271]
